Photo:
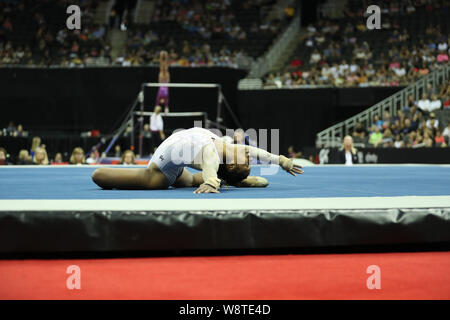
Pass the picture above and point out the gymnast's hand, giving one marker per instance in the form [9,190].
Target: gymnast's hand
[289,166]
[206,188]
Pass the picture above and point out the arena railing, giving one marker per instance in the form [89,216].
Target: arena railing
[266,63]
[332,136]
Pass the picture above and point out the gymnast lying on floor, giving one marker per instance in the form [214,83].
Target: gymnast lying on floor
[200,149]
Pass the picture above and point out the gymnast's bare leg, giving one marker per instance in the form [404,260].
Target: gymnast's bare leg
[150,178]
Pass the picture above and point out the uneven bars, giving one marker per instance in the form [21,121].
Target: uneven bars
[170,114]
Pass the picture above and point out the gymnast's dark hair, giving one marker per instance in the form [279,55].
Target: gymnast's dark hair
[232,176]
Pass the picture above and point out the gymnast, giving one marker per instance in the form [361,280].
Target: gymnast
[200,149]
[162,98]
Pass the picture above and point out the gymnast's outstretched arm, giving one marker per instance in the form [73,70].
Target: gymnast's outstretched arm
[270,158]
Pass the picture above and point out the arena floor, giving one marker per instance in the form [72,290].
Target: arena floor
[320,187]
[43,209]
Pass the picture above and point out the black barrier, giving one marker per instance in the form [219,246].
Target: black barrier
[385,155]
[180,231]
[80,99]
[301,113]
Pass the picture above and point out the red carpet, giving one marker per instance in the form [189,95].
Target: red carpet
[328,276]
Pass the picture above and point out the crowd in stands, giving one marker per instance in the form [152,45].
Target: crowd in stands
[14,131]
[34,33]
[412,42]
[415,125]
[201,34]
[195,32]
[37,155]
[139,52]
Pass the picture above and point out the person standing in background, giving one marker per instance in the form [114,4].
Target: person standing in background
[347,155]
[36,143]
[157,128]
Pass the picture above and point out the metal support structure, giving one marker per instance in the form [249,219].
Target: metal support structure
[176,114]
[220,97]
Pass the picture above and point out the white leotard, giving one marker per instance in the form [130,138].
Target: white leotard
[182,149]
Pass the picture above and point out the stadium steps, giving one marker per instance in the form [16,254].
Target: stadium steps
[334,8]
[102,12]
[118,40]
[144,11]
[284,59]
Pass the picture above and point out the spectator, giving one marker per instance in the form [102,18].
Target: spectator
[407,126]
[293,154]
[424,103]
[418,142]
[40,156]
[58,158]
[20,132]
[296,62]
[427,139]
[3,157]
[11,129]
[359,132]
[439,140]
[446,133]
[77,156]
[415,121]
[398,143]
[117,151]
[435,103]
[387,140]
[386,120]
[36,143]
[289,11]
[94,157]
[442,57]
[347,154]
[146,134]
[432,123]
[377,122]
[315,57]
[375,137]
[24,158]
[128,158]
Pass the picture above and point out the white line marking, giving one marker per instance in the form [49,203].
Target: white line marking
[227,204]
